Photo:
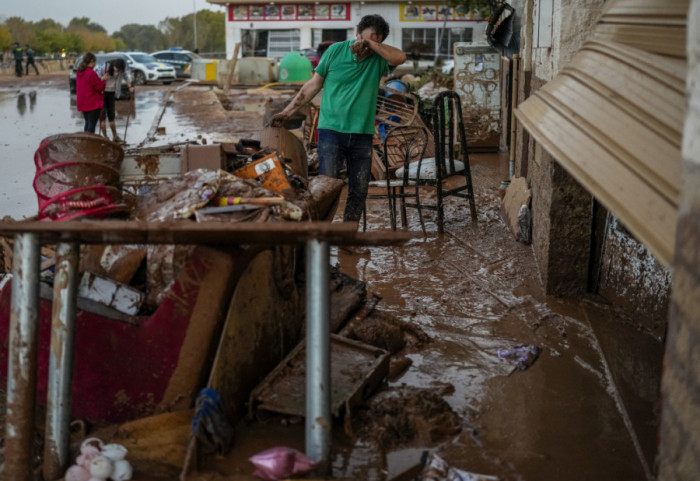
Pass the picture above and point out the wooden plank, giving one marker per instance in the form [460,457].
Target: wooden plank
[232,68]
[204,233]
[648,215]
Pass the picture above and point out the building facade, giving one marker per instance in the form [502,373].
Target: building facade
[424,31]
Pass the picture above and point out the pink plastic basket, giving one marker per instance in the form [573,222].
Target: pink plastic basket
[57,179]
[84,201]
[78,147]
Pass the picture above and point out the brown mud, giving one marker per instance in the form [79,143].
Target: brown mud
[457,299]
[471,292]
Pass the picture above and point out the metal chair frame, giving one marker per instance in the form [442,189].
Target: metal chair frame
[447,108]
[410,148]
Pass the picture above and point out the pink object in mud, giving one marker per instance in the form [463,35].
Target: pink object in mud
[279,463]
[89,449]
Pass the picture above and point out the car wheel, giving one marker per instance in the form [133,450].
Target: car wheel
[139,78]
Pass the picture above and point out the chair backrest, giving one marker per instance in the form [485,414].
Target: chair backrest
[402,146]
[447,117]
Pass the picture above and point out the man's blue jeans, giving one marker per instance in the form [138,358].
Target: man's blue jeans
[355,151]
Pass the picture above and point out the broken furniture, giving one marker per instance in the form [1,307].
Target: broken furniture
[447,111]
[402,147]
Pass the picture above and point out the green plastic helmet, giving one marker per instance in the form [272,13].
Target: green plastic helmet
[295,67]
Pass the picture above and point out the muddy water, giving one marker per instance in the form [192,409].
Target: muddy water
[474,291]
[30,113]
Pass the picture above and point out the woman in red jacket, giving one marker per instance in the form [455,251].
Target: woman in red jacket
[90,92]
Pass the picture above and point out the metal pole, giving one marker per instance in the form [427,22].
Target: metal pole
[22,362]
[318,355]
[58,404]
[194,9]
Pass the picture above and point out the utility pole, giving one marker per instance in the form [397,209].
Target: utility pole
[194,8]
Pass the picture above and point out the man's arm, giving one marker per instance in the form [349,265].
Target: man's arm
[392,55]
[307,92]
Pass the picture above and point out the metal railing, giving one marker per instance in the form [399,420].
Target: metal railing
[24,318]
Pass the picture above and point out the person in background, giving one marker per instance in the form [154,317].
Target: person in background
[17,52]
[30,60]
[349,72]
[115,73]
[89,91]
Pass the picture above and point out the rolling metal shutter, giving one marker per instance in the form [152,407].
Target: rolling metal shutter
[614,116]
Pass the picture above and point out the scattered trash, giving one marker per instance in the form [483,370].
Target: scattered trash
[116,295]
[98,461]
[524,355]
[280,462]
[524,221]
[436,469]
[269,171]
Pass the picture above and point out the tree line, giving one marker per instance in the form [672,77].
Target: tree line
[48,37]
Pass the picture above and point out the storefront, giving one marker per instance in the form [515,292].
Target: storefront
[423,30]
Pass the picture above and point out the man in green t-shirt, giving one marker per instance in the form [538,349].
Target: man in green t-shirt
[349,72]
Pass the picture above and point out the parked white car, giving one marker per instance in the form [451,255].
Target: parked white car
[146,68]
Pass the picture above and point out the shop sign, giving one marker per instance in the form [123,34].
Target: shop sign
[301,11]
[431,12]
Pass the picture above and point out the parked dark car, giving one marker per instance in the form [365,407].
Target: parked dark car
[181,60]
[102,60]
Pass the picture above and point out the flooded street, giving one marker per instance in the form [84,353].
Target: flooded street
[34,108]
[463,302]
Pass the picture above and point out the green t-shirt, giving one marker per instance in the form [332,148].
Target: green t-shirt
[350,89]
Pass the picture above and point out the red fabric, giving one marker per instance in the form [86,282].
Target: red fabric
[90,90]
[121,371]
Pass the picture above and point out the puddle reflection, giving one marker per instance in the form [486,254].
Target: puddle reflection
[31,115]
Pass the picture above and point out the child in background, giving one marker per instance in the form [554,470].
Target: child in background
[115,73]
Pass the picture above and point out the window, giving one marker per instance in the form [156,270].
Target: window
[418,43]
[452,35]
[422,43]
[254,43]
[281,42]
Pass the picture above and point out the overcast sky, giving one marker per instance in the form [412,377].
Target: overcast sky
[111,14]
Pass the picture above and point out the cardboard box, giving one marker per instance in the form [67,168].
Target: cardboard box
[193,157]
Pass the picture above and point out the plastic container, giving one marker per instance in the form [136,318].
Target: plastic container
[295,67]
[397,85]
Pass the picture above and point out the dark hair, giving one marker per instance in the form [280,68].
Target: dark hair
[117,63]
[376,23]
[87,58]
